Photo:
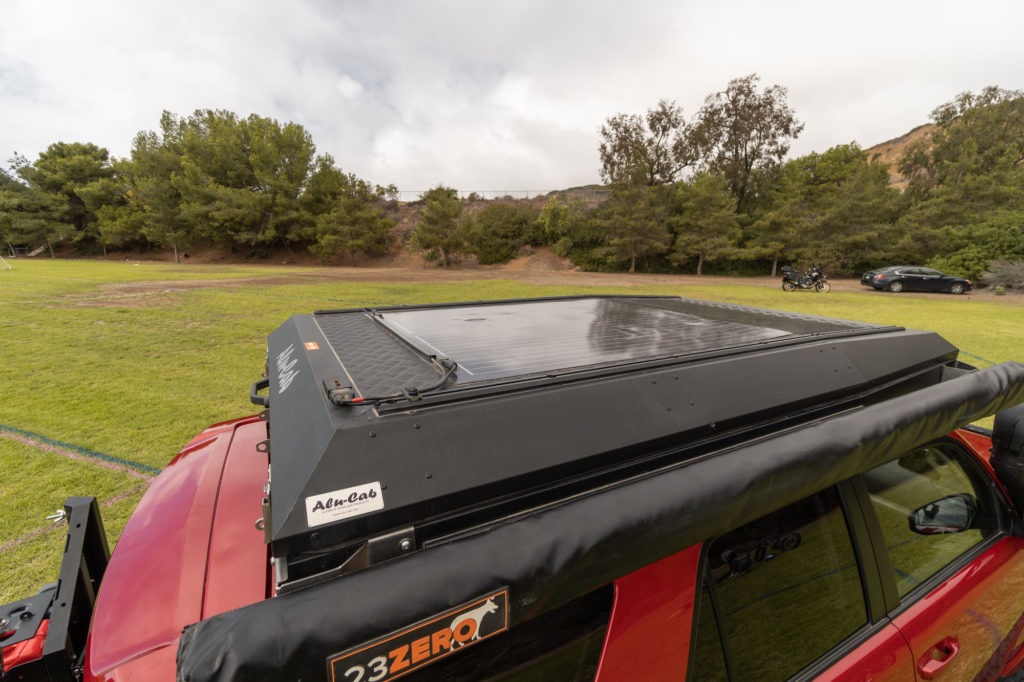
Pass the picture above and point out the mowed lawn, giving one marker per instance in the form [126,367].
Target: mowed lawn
[108,369]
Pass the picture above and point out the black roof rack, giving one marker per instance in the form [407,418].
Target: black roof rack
[391,427]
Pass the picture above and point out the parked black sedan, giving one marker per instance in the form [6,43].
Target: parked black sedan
[913,278]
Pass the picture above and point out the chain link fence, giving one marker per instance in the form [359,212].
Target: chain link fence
[514,194]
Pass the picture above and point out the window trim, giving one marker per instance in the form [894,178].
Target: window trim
[874,550]
[862,536]
[871,590]
[703,578]
[894,605]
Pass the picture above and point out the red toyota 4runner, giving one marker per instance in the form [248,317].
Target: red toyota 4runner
[586,488]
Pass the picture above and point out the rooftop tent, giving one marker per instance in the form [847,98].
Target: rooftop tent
[411,423]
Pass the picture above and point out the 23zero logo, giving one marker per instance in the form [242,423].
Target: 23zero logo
[401,652]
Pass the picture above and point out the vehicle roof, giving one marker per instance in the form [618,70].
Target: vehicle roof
[456,413]
[895,268]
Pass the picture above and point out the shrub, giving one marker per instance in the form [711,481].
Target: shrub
[500,230]
[1006,274]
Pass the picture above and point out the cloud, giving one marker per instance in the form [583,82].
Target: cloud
[484,96]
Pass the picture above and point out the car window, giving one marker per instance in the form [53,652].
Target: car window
[778,593]
[931,273]
[923,502]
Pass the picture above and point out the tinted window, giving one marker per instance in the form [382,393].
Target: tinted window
[779,593]
[931,481]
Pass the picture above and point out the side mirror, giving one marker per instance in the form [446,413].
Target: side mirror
[951,514]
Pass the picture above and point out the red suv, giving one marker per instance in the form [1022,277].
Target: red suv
[586,488]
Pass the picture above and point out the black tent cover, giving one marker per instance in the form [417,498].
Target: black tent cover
[552,556]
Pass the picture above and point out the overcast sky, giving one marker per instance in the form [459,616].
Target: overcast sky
[482,95]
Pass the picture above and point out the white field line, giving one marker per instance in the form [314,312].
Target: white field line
[51,527]
[70,454]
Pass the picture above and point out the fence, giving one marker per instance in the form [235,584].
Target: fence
[491,194]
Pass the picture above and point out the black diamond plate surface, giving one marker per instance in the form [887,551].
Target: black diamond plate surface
[378,362]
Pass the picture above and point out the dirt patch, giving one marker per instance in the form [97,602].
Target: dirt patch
[531,269]
[540,266]
[539,261]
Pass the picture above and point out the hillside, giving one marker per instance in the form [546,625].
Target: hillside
[892,151]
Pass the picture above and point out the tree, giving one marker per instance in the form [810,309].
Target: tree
[741,130]
[8,188]
[645,150]
[973,161]
[571,232]
[153,197]
[28,216]
[281,157]
[859,208]
[968,175]
[348,218]
[634,226]
[772,231]
[240,180]
[500,229]
[76,181]
[561,224]
[835,208]
[976,135]
[438,234]
[972,250]
[968,102]
[244,182]
[704,221]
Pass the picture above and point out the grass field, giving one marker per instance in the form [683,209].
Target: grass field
[109,368]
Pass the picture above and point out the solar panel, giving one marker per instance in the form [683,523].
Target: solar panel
[507,340]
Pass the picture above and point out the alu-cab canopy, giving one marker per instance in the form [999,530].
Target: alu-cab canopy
[392,427]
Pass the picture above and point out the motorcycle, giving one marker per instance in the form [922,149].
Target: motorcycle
[812,279]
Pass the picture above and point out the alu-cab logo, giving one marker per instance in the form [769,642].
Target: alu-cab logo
[344,503]
[404,651]
[286,371]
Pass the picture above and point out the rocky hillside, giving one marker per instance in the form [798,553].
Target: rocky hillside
[892,151]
